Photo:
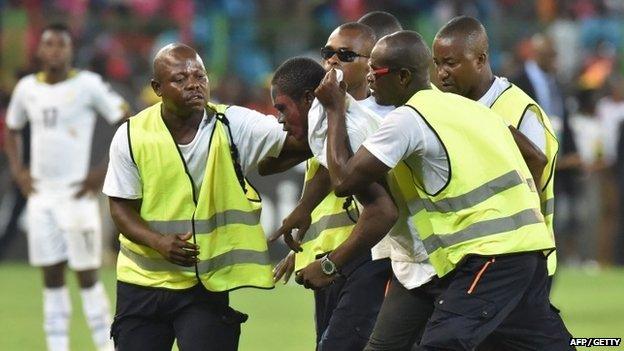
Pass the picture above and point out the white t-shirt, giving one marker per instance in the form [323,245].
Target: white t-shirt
[530,125]
[360,123]
[611,115]
[372,105]
[404,135]
[255,135]
[62,120]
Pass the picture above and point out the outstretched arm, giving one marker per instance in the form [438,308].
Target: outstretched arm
[314,191]
[293,153]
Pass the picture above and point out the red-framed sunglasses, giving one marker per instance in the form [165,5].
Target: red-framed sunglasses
[382,71]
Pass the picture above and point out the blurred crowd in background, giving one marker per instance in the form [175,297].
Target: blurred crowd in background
[242,41]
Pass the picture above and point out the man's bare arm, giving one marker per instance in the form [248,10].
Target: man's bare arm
[13,147]
[377,218]
[379,213]
[349,174]
[532,155]
[314,191]
[173,247]
[293,153]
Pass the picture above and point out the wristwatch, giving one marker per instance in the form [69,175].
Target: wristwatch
[328,266]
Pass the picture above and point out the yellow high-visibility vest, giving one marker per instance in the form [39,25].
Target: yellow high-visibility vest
[512,104]
[331,224]
[489,206]
[224,217]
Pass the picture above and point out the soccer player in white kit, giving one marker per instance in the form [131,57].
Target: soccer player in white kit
[64,224]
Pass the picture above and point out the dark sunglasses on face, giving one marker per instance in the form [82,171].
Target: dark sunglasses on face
[344,55]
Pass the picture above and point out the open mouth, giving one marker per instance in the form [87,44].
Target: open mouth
[195,97]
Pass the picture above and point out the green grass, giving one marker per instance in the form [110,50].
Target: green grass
[282,319]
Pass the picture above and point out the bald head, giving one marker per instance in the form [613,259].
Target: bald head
[181,81]
[405,49]
[382,23]
[469,30]
[172,54]
[399,67]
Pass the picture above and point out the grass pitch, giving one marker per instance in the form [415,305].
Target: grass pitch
[592,305]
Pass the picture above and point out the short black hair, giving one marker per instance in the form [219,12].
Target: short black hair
[57,27]
[297,75]
[365,31]
[382,23]
[469,28]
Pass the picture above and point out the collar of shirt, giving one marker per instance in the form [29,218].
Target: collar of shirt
[205,120]
[499,85]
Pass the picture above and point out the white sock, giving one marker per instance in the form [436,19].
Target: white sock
[97,310]
[56,313]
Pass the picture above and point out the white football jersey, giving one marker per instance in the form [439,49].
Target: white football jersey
[62,120]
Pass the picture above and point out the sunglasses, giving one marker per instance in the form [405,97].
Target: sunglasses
[344,55]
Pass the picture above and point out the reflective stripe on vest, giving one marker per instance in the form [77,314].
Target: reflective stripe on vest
[332,221]
[548,207]
[482,229]
[230,258]
[471,198]
[204,226]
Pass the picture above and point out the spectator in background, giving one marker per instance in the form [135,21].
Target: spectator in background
[610,110]
[538,79]
[588,134]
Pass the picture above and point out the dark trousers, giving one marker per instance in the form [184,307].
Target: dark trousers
[403,316]
[150,319]
[500,300]
[347,309]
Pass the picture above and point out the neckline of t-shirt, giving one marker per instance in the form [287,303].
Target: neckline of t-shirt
[202,125]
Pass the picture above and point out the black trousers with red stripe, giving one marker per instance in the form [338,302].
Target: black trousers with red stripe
[499,303]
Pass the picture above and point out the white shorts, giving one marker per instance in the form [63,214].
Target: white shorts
[62,228]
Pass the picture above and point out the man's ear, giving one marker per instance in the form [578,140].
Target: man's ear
[156,87]
[308,97]
[482,59]
[405,77]
[343,85]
